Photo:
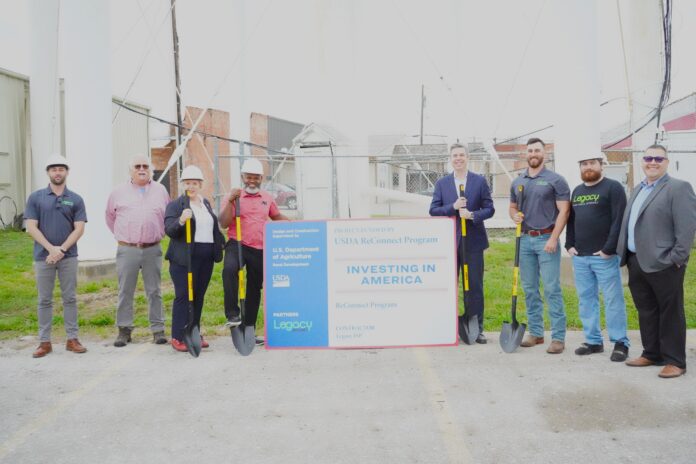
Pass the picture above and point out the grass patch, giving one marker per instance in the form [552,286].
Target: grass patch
[97,300]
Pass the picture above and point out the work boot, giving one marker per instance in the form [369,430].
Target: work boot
[74,345]
[124,336]
[159,338]
[531,340]
[556,347]
[43,349]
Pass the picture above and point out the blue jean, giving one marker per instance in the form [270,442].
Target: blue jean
[535,262]
[592,274]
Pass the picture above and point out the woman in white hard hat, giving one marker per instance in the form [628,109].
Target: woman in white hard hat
[207,244]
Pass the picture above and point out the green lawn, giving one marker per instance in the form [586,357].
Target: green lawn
[97,300]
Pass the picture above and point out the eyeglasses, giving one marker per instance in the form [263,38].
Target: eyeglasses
[137,167]
[657,159]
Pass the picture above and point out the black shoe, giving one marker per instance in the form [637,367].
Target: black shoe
[159,338]
[260,341]
[620,352]
[586,348]
[481,339]
[234,321]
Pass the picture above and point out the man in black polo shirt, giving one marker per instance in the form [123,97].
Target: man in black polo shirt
[545,208]
[55,219]
[593,230]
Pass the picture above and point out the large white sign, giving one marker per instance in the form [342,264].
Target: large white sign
[361,283]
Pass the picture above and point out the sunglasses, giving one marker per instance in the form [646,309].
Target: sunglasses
[657,159]
[137,167]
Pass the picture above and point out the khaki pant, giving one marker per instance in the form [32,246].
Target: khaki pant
[129,262]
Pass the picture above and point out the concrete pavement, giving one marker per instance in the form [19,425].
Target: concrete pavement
[147,403]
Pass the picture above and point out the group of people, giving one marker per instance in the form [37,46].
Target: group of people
[652,234]
[139,214]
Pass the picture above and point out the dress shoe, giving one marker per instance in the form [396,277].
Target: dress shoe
[671,371]
[556,347]
[74,345]
[159,338]
[640,362]
[179,346]
[531,340]
[204,344]
[43,349]
[481,339]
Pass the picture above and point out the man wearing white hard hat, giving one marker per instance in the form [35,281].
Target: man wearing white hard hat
[597,207]
[206,247]
[55,219]
[256,207]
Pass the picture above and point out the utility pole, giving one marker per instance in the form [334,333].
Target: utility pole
[175,40]
[422,110]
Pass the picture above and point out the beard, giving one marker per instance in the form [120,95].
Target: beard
[534,162]
[590,175]
[59,181]
[251,190]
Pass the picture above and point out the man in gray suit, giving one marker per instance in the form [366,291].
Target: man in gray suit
[656,237]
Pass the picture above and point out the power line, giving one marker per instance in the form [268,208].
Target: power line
[667,80]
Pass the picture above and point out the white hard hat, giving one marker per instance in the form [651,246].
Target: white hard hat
[192,173]
[252,166]
[599,156]
[57,160]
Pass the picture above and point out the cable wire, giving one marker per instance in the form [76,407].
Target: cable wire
[656,114]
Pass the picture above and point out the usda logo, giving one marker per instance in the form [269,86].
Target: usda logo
[281,280]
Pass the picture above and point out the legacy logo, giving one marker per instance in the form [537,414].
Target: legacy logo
[293,326]
[582,199]
[281,280]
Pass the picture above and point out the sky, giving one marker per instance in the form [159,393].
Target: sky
[487,67]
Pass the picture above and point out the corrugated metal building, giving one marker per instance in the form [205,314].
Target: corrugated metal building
[131,135]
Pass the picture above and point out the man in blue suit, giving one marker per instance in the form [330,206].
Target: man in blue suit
[476,206]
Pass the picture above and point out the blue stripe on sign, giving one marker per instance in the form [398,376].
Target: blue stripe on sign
[296,284]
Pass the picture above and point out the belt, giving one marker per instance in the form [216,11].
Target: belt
[536,233]
[138,245]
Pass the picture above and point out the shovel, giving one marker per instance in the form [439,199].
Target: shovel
[511,333]
[468,326]
[243,336]
[192,333]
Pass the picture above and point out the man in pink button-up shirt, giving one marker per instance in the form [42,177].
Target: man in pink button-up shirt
[135,215]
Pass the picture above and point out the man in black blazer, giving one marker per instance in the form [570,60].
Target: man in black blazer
[476,206]
[656,237]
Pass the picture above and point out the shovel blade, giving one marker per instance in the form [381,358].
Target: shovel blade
[469,329]
[511,336]
[244,339]
[192,338]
